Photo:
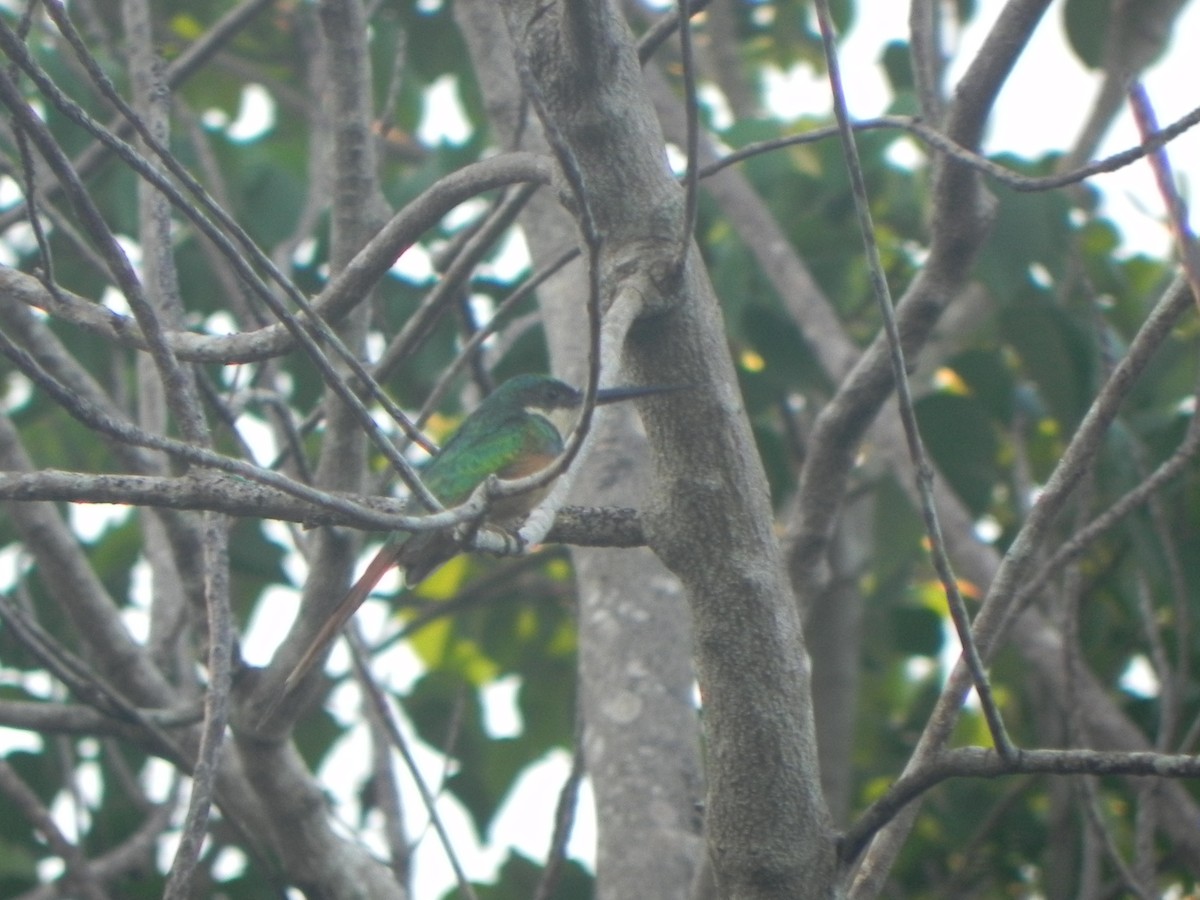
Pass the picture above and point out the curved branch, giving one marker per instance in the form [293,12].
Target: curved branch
[346,289]
[24,801]
[938,140]
[975,762]
[588,526]
[961,219]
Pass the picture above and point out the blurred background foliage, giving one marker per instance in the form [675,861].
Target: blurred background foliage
[1063,301]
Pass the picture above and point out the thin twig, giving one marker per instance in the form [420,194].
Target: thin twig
[925,20]
[463,356]
[437,301]
[1168,709]
[1075,546]
[100,421]
[940,142]
[216,707]
[388,720]
[564,819]
[174,379]
[691,173]
[661,30]
[35,220]
[26,802]
[916,449]
[342,291]
[1160,164]
[178,71]
[1093,808]
[593,242]
[608,526]
[383,773]
[975,762]
[1073,673]
[248,246]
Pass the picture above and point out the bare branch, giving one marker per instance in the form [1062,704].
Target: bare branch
[908,416]
[216,707]
[1177,215]
[384,715]
[588,526]
[947,146]
[25,801]
[974,762]
[344,290]
[564,819]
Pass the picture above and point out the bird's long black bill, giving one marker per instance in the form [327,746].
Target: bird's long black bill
[632,392]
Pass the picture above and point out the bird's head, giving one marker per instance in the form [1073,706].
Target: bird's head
[557,401]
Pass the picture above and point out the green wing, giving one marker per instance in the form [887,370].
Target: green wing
[479,449]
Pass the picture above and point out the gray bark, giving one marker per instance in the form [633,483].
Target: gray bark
[641,733]
[710,516]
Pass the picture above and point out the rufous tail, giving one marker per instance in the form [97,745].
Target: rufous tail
[376,569]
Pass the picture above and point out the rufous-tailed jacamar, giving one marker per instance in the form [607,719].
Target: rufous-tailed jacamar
[517,430]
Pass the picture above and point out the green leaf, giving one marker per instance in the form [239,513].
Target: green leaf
[255,563]
[1086,24]
[989,379]
[916,631]
[1054,350]
[959,436]
[1030,230]
[442,708]
[18,867]
[897,63]
[519,879]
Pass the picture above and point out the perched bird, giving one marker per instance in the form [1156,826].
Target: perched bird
[517,430]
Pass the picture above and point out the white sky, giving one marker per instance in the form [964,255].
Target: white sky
[1042,107]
